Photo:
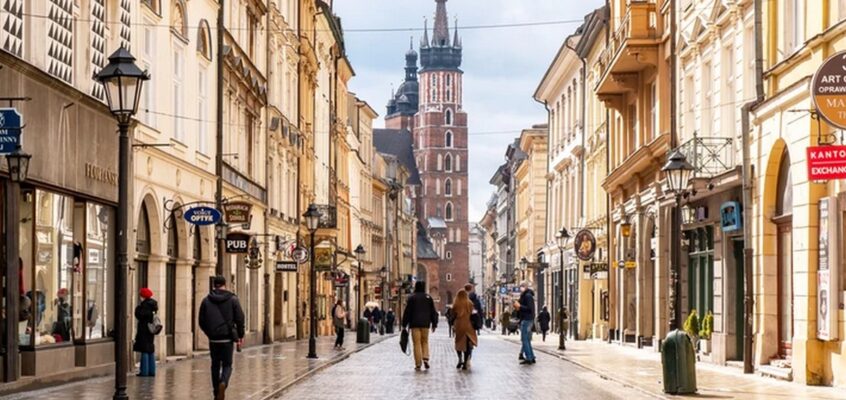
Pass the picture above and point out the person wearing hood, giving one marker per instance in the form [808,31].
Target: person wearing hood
[222,320]
[144,338]
[390,320]
[543,321]
[420,314]
[526,312]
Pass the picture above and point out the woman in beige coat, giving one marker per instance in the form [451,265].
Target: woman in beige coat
[465,335]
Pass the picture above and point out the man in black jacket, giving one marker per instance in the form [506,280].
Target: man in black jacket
[527,319]
[420,314]
[222,320]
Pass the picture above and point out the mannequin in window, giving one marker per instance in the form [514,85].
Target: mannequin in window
[61,328]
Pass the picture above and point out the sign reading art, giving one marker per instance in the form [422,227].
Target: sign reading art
[826,162]
[828,89]
[585,244]
[237,212]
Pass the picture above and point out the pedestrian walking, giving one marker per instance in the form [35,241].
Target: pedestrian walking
[526,311]
[145,313]
[450,317]
[543,321]
[222,320]
[368,315]
[390,321]
[478,312]
[339,317]
[465,331]
[420,315]
[505,321]
[377,320]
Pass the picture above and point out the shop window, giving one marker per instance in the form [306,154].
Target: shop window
[700,270]
[99,254]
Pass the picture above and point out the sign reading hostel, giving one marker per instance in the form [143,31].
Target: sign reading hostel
[826,162]
[11,122]
[828,89]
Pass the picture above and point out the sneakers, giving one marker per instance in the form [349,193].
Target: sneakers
[426,364]
[528,362]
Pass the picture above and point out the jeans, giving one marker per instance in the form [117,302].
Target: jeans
[526,339]
[339,337]
[148,364]
[420,339]
[221,363]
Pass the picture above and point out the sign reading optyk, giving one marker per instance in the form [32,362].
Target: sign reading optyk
[11,122]
[828,89]
[826,162]
[202,216]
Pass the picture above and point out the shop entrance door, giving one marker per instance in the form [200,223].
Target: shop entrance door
[785,290]
[170,299]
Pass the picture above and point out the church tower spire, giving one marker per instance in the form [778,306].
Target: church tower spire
[440,37]
[441,52]
[424,42]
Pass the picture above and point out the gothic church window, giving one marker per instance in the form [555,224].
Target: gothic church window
[457,162]
[448,137]
[448,212]
[448,163]
[448,115]
[448,187]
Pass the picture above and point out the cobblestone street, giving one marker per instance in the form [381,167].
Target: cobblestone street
[383,372]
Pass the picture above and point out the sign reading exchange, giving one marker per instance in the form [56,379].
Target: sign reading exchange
[826,162]
[828,90]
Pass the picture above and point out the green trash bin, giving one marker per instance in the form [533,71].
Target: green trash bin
[678,361]
[362,331]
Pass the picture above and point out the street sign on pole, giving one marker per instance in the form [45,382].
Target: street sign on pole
[11,122]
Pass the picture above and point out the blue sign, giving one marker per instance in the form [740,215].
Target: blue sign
[202,216]
[503,290]
[10,130]
[730,216]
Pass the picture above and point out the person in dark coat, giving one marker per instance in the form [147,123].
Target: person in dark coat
[526,311]
[222,320]
[450,317]
[368,315]
[478,312]
[543,321]
[144,339]
[377,320]
[390,320]
[505,321]
[420,314]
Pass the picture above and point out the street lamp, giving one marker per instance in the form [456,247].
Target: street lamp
[18,164]
[312,217]
[360,337]
[678,172]
[383,273]
[563,236]
[122,80]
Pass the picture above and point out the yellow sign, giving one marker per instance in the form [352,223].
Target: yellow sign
[631,264]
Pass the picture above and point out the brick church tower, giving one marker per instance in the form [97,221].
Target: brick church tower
[428,104]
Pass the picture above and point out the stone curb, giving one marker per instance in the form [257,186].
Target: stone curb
[602,374]
[308,374]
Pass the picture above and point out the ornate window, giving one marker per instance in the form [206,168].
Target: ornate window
[153,5]
[448,116]
[448,213]
[204,41]
[178,19]
[448,163]
[448,138]
[448,187]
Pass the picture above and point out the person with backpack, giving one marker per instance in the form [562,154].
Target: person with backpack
[222,320]
[146,331]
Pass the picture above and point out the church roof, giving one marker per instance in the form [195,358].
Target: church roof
[398,143]
[425,249]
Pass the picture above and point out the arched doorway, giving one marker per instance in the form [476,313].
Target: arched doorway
[142,248]
[784,226]
[170,285]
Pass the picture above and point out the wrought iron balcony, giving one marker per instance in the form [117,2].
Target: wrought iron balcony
[710,156]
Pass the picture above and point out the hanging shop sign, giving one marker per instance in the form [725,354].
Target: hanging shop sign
[237,243]
[826,162]
[286,266]
[828,90]
[11,122]
[595,271]
[202,216]
[585,244]
[323,258]
[237,212]
[730,216]
[827,278]
[300,255]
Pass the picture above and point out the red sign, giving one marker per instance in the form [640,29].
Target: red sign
[826,162]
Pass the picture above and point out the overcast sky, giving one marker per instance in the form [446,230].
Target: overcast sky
[502,66]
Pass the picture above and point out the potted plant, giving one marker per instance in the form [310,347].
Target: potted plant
[691,326]
[705,332]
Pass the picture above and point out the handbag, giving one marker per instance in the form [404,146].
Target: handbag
[404,341]
[155,326]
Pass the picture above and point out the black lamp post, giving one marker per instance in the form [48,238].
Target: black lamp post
[312,218]
[359,255]
[18,166]
[562,237]
[383,273]
[678,172]
[122,80]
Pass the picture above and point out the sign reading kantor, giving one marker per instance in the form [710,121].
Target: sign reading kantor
[826,162]
[829,90]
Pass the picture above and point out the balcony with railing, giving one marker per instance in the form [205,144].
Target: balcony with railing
[631,48]
[709,156]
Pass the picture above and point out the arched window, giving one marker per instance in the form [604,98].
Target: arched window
[448,187]
[204,40]
[448,137]
[437,186]
[458,162]
[784,187]
[448,213]
[440,162]
[178,18]
[448,117]
[154,5]
[448,163]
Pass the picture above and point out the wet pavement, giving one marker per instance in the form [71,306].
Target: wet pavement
[384,372]
[641,368]
[259,373]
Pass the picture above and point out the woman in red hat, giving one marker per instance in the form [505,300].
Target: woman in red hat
[146,331]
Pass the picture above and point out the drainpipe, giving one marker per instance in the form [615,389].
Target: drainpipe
[300,155]
[218,157]
[266,336]
[548,161]
[748,300]
[608,235]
